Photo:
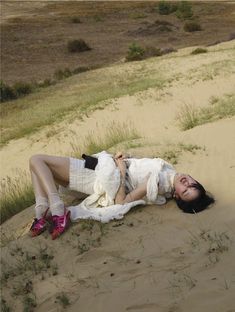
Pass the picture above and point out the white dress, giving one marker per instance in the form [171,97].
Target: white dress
[104,181]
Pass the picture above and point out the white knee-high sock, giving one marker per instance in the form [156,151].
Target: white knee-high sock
[56,204]
[41,206]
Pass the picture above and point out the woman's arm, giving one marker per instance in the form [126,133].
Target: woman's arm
[121,196]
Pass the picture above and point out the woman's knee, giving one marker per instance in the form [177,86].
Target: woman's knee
[34,160]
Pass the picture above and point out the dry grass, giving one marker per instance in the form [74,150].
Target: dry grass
[190,116]
[16,194]
[115,133]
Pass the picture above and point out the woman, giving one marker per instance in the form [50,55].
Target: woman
[108,180]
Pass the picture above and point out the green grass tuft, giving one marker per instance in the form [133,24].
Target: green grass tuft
[16,195]
[190,117]
[115,134]
[199,51]
[63,300]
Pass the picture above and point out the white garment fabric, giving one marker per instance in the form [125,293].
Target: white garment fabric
[105,181]
[81,179]
[160,175]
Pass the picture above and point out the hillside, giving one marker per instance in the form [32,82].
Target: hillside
[156,258]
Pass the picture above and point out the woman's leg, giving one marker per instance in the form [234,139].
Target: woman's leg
[40,196]
[45,171]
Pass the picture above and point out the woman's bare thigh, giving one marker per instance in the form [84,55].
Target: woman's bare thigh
[59,167]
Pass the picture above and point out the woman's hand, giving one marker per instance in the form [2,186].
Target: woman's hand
[121,165]
[120,155]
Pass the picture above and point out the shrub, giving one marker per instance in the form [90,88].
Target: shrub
[45,83]
[198,51]
[78,45]
[75,20]
[6,92]
[192,26]
[231,36]
[80,69]
[98,18]
[152,51]
[22,88]
[184,10]
[135,53]
[165,8]
[60,74]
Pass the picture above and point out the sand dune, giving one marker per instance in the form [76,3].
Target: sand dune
[156,259]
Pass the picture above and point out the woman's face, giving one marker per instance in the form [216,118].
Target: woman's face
[184,189]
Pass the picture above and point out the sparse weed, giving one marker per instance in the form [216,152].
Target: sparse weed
[199,51]
[63,299]
[172,154]
[22,287]
[83,247]
[29,303]
[116,133]
[213,242]
[87,225]
[190,117]
[16,194]
[4,306]
[31,263]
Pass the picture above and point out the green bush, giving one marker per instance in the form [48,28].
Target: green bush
[45,83]
[199,50]
[135,53]
[75,20]
[165,8]
[22,88]
[78,45]
[192,26]
[184,10]
[60,74]
[6,92]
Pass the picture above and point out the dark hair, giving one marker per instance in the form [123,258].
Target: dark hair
[198,204]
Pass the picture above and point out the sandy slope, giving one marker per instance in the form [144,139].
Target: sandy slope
[156,259]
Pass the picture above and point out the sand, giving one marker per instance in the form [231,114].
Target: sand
[156,258]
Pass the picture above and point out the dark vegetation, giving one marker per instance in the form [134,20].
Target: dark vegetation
[138,53]
[199,51]
[78,45]
[19,89]
[192,26]
[35,43]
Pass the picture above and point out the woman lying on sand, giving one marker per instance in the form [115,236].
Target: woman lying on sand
[109,180]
